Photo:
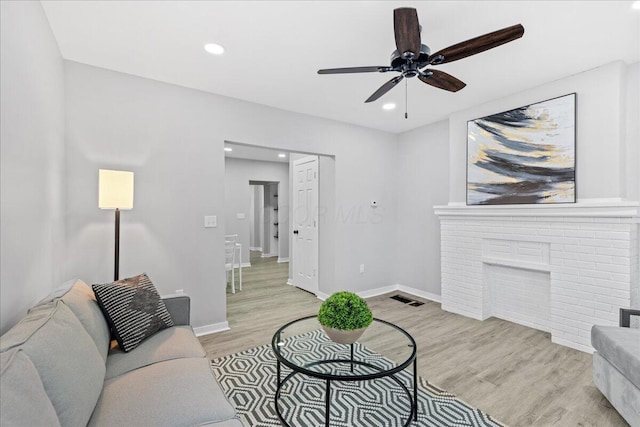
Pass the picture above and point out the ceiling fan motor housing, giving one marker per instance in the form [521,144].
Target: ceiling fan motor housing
[408,67]
[397,60]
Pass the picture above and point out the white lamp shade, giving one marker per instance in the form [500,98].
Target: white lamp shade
[115,189]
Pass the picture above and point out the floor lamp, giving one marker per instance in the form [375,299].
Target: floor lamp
[115,191]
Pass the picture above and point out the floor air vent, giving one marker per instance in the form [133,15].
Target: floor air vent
[407,301]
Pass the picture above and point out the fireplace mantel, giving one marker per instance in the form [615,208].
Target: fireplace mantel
[601,208]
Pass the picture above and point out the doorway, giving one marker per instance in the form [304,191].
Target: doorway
[264,219]
[269,225]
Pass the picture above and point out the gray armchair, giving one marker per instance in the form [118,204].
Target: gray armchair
[616,365]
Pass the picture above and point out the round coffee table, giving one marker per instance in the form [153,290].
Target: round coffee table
[384,350]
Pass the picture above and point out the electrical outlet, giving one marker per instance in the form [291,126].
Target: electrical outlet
[361,268]
[240,215]
[210,221]
[179,291]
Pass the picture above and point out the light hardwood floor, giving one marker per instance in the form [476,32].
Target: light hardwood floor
[509,371]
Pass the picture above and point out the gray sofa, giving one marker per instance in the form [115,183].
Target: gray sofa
[58,367]
[616,365]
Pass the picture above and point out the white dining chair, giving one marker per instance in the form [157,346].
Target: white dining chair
[231,247]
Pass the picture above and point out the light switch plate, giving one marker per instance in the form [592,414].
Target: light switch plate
[210,221]
[240,215]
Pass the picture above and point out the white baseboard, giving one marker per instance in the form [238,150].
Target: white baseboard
[283,259]
[211,329]
[566,343]
[289,282]
[269,255]
[244,264]
[385,290]
[322,296]
[396,287]
[255,248]
[378,291]
[418,293]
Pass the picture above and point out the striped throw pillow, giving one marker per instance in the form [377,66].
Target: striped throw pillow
[133,308]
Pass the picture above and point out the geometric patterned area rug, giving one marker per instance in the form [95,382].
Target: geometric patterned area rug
[248,379]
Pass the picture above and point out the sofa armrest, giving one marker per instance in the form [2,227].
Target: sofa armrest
[179,307]
[625,316]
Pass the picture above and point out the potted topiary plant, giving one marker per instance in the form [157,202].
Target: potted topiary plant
[344,316]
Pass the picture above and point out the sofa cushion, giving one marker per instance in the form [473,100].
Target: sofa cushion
[133,309]
[58,292]
[621,347]
[24,401]
[70,367]
[172,343]
[179,392]
[81,300]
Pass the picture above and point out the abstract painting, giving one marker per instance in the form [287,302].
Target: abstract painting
[523,156]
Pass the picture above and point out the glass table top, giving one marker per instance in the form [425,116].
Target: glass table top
[383,349]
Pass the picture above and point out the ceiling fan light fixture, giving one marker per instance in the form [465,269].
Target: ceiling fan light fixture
[228,149]
[389,106]
[214,48]
[282,155]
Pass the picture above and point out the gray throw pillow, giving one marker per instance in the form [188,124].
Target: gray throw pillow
[133,308]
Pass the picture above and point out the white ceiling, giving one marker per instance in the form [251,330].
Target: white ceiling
[274,48]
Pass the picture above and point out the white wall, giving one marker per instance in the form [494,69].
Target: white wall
[600,168]
[423,178]
[251,216]
[259,214]
[238,195]
[172,137]
[32,200]
[256,211]
[326,227]
[632,135]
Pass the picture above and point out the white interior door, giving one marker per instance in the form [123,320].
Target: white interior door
[304,254]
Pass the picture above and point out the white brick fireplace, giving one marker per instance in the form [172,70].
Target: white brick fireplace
[557,268]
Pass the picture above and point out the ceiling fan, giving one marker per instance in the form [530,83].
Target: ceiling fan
[411,57]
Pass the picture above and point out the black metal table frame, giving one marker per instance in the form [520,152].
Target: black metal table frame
[330,377]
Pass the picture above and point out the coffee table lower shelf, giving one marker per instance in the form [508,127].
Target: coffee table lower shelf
[413,415]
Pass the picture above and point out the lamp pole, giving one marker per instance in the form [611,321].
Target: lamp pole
[117,250]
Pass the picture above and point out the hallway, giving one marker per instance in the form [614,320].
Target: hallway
[251,322]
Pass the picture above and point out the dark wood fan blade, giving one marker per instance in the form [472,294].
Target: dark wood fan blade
[380,69]
[477,45]
[442,80]
[384,88]
[407,30]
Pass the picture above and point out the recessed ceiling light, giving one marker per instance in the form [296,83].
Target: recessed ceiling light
[214,49]
[636,5]
[228,149]
[389,106]
[282,155]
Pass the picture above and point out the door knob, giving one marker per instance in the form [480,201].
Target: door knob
[295,231]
